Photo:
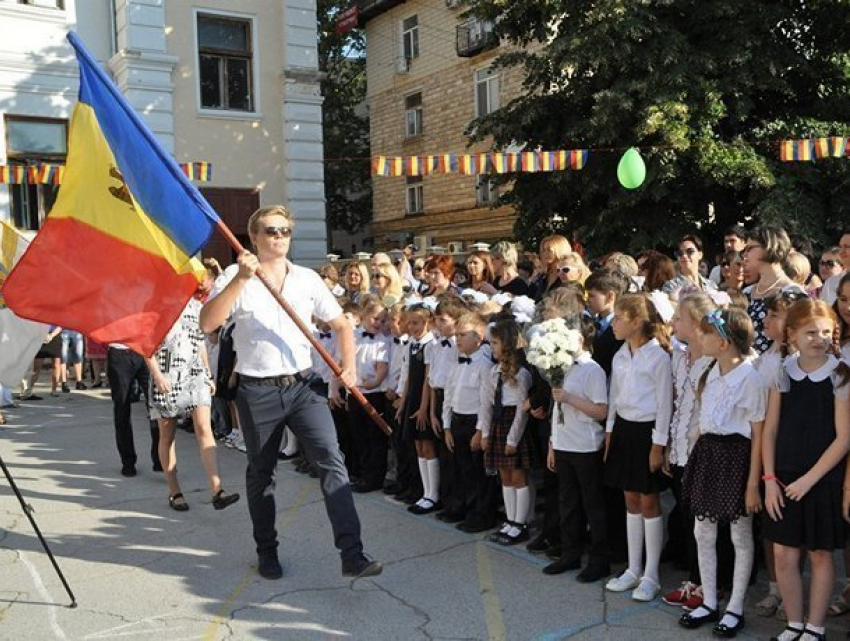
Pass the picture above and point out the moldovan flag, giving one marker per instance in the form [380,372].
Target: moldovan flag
[113,259]
[19,339]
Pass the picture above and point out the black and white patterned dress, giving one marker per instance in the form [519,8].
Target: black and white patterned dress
[179,360]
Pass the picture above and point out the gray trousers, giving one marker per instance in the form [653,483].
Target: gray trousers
[263,413]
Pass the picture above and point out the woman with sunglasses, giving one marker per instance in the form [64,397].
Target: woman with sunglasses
[829,265]
[387,283]
[552,249]
[277,387]
[688,257]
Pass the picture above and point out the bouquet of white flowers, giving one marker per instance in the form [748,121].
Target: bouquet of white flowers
[552,349]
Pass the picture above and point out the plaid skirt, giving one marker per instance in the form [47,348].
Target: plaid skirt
[494,456]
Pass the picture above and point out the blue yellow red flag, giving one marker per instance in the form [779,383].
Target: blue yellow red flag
[114,257]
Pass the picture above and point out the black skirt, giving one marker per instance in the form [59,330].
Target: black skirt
[814,522]
[627,463]
[53,349]
[714,483]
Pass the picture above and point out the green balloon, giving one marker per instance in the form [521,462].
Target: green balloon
[631,172]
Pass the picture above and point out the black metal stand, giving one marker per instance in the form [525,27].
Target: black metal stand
[28,510]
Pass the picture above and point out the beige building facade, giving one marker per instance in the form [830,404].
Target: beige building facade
[429,74]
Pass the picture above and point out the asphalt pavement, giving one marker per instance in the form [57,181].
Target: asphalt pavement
[140,570]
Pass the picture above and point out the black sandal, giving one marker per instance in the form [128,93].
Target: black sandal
[178,502]
[807,634]
[729,631]
[788,628]
[222,499]
[691,622]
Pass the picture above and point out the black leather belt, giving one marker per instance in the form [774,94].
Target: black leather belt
[284,380]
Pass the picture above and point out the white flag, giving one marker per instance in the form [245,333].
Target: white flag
[20,339]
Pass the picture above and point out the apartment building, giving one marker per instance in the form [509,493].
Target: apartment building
[429,74]
[232,84]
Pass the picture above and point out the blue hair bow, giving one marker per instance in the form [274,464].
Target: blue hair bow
[715,319]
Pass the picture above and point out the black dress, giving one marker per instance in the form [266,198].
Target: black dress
[806,430]
[415,380]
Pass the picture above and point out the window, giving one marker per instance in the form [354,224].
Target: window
[49,4]
[410,37]
[33,141]
[486,192]
[415,203]
[225,61]
[486,92]
[413,114]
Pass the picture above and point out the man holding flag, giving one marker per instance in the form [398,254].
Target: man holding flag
[277,387]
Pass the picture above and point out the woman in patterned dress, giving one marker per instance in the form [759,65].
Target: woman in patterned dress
[181,384]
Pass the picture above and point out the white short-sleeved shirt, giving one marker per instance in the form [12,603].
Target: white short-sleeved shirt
[398,349]
[731,402]
[266,340]
[412,343]
[578,432]
[768,365]
[642,388]
[440,355]
[370,349]
[684,426]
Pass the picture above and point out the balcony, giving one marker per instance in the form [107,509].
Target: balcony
[473,37]
[369,9]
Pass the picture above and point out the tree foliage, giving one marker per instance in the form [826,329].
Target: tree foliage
[705,89]
[345,127]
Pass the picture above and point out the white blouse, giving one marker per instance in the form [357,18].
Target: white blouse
[514,394]
[732,401]
[684,427]
[369,351]
[440,357]
[578,432]
[328,341]
[398,350]
[642,388]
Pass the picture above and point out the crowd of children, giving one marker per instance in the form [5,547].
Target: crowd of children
[738,403]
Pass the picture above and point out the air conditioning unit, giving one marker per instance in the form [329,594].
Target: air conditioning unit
[402,65]
[452,4]
[455,246]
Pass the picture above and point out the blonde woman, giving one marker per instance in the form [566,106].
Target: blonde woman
[571,269]
[505,256]
[387,283]
[356,281]
[552,249]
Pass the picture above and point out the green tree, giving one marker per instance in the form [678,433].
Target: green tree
[345,127]
[704,88]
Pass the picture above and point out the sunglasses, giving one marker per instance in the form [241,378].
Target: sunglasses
[275,231]
[564,270]
[690,251]
[830,263]
[418,269]
[376,276]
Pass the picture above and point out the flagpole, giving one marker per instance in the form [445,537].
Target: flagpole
[335,368]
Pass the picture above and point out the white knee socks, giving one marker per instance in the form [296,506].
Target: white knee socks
[433,466]
[654,535]
[509,496]
[634,538]
[523,496]
[426,480]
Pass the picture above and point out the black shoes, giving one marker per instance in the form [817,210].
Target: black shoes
[692,620]
[269,567]
[562,565]
[730,631]
[222,499]
[539,543]
[80,386]
[65,388]
[593,572]
[426,507]
[128,470]
[360,567]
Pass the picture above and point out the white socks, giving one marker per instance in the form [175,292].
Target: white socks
[433,466]
[523,498]
[788,635]
[429,471]
[705,532]
[426,481]
[509,496]
[290,447]
[634,538]
[654,536]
